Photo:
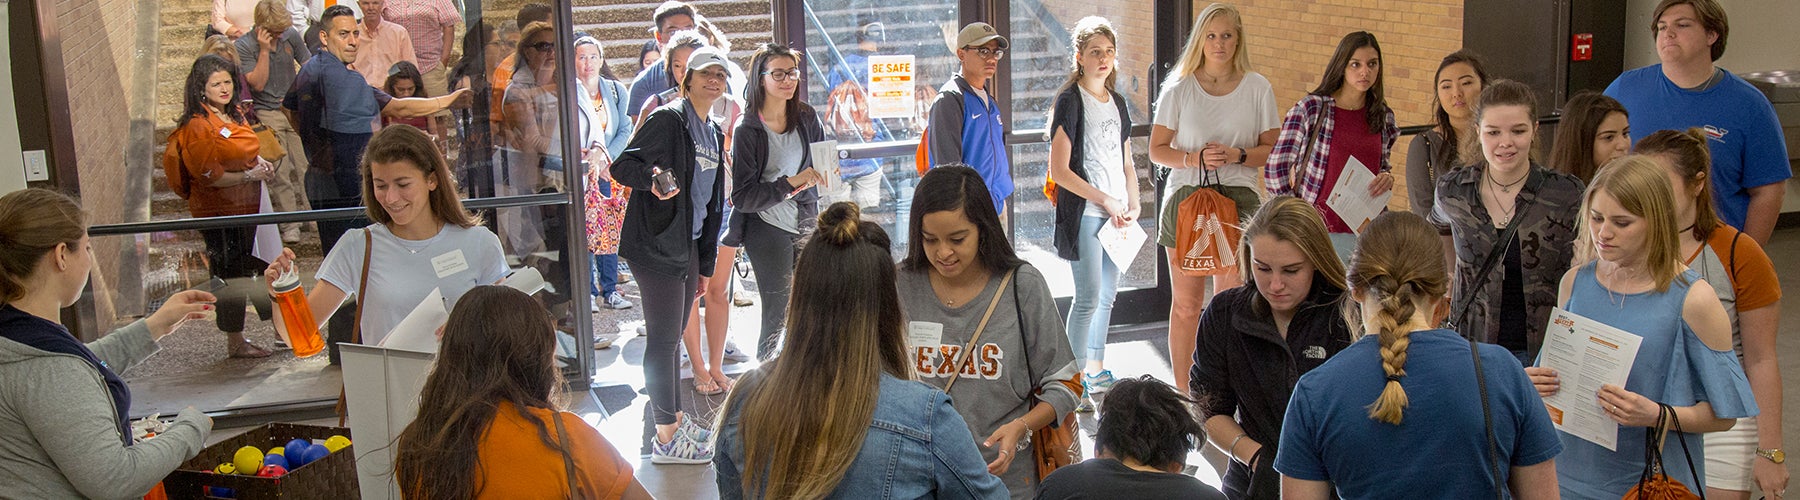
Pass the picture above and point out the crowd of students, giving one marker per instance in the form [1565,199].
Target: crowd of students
[1329,347]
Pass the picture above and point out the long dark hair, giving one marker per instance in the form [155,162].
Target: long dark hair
[1376,107]
[1573,150]
[956,186]
[754,93]
[193,95]
[405,70]
[803,421]
[498,347]
[1448,158]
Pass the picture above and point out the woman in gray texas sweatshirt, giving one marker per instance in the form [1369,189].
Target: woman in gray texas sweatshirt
[62,405]
[960,275]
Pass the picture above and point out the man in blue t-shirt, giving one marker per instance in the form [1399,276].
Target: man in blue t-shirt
[1749,156]
[965,119]
[670,17]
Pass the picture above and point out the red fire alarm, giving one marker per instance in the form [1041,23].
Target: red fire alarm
[1583,47]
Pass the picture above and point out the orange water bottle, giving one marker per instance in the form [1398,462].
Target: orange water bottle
[297,316]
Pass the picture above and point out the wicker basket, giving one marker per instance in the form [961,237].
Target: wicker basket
[331,477]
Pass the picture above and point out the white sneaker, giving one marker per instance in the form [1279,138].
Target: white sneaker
[685,448]
[733,354]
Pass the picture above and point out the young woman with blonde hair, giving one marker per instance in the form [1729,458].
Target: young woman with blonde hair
[1632,279]
[1749,289]
[1215,123]
[1096,187]
[1256,340]
[840,414]
[1444,421]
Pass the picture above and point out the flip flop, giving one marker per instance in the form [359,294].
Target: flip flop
[702,387]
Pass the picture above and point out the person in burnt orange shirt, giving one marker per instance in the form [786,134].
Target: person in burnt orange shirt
[490,422]
[212,162]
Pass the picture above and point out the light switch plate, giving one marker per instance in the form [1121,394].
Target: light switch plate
[37,166]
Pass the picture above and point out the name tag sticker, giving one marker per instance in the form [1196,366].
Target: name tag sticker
[924,334]
[449,264]
[225,132]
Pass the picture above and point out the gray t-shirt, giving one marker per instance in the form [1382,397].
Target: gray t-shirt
[403,272]
[284,62]
[786,152]
[1022,348]
[707,158]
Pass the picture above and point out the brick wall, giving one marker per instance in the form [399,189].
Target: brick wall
[1292,40]
[97,46]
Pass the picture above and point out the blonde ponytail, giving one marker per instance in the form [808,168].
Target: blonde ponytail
[1397,263]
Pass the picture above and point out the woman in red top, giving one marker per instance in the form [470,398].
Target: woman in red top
[212,161]
[490,422]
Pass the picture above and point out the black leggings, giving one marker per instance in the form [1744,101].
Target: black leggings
[772,253]
[228,257]
[666,301]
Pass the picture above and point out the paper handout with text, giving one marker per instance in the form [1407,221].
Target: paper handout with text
[1350,196]
[1586,354]
[1122,243]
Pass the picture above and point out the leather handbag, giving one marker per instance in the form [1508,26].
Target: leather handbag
[269,147]
[1058,444]
[1653,483]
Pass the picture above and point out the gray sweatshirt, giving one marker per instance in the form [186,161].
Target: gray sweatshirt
[1022,348]
[60,438]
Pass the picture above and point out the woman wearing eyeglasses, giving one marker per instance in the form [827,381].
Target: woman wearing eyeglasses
[773,182]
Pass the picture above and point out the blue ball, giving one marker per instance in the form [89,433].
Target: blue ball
[220,492]
[315,452]
[294,451]
[273,459]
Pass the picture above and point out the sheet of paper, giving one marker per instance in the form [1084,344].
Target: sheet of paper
[1122,243]
[1586,354]
[1350,196]
[267,244]
[418,331]
[825,162]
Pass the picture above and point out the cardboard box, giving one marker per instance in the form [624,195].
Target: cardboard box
[331,477]
[382,400]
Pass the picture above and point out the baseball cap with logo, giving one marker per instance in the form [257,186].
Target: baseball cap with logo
[705,57]
[977,34]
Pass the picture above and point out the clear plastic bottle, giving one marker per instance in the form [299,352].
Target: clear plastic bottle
[297,316]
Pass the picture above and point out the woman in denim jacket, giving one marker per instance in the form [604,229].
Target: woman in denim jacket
[807,426]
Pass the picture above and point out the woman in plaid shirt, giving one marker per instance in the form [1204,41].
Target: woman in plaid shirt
[1345,117]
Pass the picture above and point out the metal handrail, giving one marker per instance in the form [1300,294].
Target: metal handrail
[230,221]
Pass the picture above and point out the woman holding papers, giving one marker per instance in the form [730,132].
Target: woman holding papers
[422,239]
[1096,187]
[1750,453]
[982,324]
[1401,412]
[1256,340]
[1504,293]
[1633,280]
[1215,122]
[491,421]
[1345,120]
[773,183]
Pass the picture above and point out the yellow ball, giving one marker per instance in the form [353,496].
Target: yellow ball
[248,460]
[337,442]
[278,451]
[226,468]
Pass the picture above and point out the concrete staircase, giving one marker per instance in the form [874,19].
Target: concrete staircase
[623,27]
[181,33]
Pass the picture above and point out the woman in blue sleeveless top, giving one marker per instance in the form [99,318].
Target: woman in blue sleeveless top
[1633,280]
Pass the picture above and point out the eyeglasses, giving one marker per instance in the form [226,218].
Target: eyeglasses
[543,46]
[782,76]
[987,53]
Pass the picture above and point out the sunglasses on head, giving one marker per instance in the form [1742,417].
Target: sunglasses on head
[543,46]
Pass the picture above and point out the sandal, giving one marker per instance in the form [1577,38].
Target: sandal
[725,383]
[247,350]
[707,387]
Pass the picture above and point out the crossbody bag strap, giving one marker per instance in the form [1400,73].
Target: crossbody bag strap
[956,374]
[1487,420]
[362,285]
[1461,310]
[568,460]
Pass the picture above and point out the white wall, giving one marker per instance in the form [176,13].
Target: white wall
[1763,35]
[12,164]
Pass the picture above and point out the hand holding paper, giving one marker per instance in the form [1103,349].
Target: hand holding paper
[1352,196]
[1587,356]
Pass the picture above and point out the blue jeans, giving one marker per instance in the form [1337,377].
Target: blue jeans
[606,275]
[1096,285]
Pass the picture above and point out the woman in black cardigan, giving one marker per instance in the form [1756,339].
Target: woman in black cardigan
[670,237]
[774,186]
[1090,160]
[1256,340]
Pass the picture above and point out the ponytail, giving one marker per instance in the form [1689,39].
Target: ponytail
[1396,268]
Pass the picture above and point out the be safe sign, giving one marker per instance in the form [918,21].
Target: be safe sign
[891,86]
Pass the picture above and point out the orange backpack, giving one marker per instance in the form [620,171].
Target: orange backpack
[1208,227]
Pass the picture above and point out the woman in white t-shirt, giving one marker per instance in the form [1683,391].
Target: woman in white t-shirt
[1214,126]
[422,239]
[1096,187]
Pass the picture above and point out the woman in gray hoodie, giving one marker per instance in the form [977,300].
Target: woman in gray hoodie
[63,405]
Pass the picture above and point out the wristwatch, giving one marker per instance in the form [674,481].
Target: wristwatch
[1243,155]
[1773,454]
